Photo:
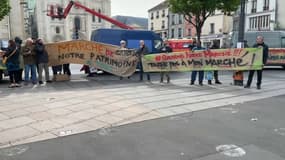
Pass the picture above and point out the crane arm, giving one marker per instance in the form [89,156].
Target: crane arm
[91,11]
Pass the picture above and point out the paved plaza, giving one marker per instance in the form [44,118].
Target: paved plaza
[35,113]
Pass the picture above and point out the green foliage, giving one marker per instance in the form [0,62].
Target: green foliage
[4,8]
[197,11]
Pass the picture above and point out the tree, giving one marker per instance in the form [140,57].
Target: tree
[4,8]
[197,11]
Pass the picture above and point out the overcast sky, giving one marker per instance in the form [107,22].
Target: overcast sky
[136,8]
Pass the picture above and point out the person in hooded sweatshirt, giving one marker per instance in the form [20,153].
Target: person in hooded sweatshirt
[42,59]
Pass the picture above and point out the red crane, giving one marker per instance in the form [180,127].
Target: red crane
[62,13]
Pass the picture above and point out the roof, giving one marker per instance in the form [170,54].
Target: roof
[160,6]
[136,22]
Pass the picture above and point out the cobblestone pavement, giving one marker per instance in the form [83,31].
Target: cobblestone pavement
[35,113]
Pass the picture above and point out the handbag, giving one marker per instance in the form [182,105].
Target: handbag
[4,60]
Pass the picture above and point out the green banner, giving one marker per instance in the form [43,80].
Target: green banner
[220,59]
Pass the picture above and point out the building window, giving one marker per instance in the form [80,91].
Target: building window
[157,14]
[57,30]
[77,23]
[180,19]
[259,23]
[163,13]
[173,19]
[172,33]
[151,17]
[93,17]
[99,19]
[266,5]
[179,32]
[254,5]
[189,32]
[151,26]
[212,28]
[163,24]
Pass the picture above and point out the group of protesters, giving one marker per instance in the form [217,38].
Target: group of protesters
[32,58]
[209,75]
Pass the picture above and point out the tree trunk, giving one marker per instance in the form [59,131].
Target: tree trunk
[199,31]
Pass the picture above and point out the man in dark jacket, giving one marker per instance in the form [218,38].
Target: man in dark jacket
[259,44]
[42,59]
[143,50]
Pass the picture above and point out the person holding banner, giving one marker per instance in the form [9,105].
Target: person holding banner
[123,46]
[259,44]
[216,74]
[194,73]
[165,49]
[143,50]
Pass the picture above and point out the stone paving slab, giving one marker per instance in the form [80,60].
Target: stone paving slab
[81,105]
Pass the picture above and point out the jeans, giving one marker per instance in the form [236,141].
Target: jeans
[142,72]
[250,77]
[194,75]
[31,67]
[43,66]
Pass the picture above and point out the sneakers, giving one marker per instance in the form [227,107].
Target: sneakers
[192,83]
[49,81]
[41,82]
[12,85]
[201,83]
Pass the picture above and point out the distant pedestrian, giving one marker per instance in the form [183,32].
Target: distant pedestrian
[30,61]
[165,49]
[194,73]
[259,44]
[142,50]
[13,64]
[42,59]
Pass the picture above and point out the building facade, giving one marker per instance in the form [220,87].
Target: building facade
[158,19]
[217,28]
[265,15]
[52,30]
[14,23]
